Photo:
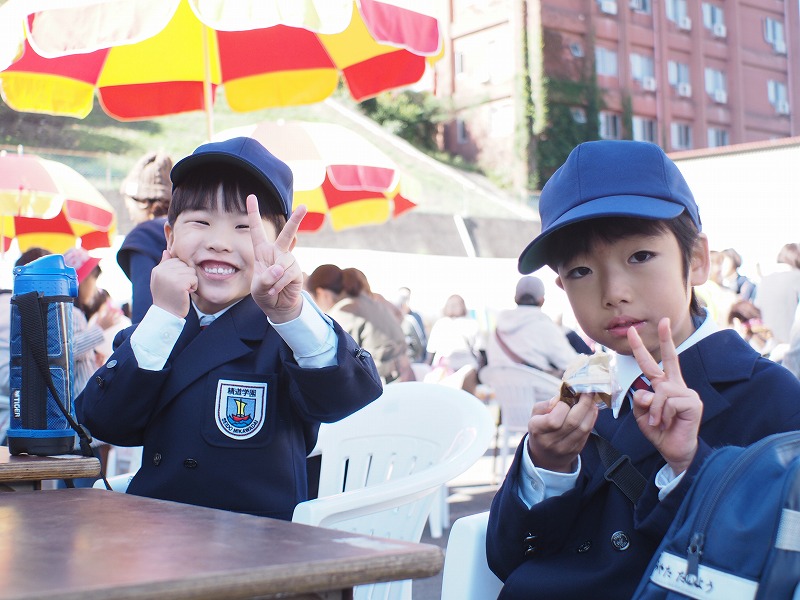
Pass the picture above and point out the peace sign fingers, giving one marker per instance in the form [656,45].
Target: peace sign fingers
[284,241]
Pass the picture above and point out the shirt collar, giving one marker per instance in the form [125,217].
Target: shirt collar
[206,319]
[627,369]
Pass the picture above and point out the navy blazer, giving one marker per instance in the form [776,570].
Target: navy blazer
[591,542]
[229,420]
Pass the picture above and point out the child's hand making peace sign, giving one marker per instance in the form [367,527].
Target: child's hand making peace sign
[277,277]
[669,416]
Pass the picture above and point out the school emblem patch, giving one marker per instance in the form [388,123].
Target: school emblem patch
[240,408]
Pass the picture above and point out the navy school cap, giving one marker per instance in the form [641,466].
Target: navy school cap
[245,153]
[609,178]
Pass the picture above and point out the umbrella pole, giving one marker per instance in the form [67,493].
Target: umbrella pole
[207,85]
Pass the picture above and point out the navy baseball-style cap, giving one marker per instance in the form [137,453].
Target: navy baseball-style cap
[609,178]
[245,153]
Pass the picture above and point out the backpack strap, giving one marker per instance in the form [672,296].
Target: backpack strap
[619,469]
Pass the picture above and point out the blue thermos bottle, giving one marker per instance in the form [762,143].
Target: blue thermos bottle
[42,364]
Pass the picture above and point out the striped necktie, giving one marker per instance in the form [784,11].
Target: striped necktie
[205,321]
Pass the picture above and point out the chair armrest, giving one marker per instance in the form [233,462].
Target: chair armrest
[118,483]
[323,512]
[466,574]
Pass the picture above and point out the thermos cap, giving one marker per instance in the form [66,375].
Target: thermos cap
[48,275]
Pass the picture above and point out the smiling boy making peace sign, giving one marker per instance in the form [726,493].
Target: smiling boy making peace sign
[228,376]
[621,229]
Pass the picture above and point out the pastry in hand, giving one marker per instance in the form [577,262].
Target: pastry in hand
[588,374]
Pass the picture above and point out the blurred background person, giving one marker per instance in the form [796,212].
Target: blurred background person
[717,298]
[345,296]
[454,345]
[147,191]
[525,335]
[86,337]
[778,295]
[411,324]
[732,279]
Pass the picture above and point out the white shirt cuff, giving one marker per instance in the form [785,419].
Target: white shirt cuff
[310,336]
[666,481]
[155,337]
[539,484]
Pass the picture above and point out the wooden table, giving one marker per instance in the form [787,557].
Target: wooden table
[27,472]
[89,544]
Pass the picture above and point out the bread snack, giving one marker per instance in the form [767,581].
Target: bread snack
[588,374]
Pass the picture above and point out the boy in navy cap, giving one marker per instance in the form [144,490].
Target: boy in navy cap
[229,374]
[622,231]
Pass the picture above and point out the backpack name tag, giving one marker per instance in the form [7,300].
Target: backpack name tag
[710,584]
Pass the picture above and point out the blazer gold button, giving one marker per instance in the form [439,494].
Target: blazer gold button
[100,382]
[157,458]
[584,547]
[190,463]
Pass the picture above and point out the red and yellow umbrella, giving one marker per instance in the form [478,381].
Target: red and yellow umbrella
[44,203]
[338,174]
[148,58]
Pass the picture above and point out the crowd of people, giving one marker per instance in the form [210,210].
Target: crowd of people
[235,351]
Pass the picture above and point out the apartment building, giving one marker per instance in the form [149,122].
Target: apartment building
[685,74]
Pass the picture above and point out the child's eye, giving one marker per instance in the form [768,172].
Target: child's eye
[200,222]
[245,226]
[641,256]
[578,272]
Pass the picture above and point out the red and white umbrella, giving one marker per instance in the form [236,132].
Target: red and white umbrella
[148,58]
[338,174]
[46,204]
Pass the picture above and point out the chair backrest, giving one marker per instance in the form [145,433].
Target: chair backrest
[466,574]
[516,389]
[382,466]
[410,429]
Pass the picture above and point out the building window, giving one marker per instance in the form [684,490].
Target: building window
[605,61]
[716,85]
[676,11]
[610,126]
[644,130]
[642,6]
[678,73]
[458,66]
[778,96]
[773,34]
[501,120]
[461,131]
[642,67]
[712,15]
[681,136]
[578,114]
[576,49]
[717,137]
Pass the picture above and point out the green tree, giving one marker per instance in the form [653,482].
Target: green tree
[414,116]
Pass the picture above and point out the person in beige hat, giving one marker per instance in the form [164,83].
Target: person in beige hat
[147,191]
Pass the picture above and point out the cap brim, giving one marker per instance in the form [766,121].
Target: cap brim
[534,256]
[190,163]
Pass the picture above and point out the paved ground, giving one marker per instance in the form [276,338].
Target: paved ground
[470,493]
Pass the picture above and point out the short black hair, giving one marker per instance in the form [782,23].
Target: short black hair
[578,238]
[200,188]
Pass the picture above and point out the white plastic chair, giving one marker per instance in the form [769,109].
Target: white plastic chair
[466,574]
[516,389]
[382,466]
[123,460]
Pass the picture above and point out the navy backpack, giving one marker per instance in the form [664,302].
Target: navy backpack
[736,535]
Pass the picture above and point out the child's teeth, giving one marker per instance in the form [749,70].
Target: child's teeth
[219,271]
